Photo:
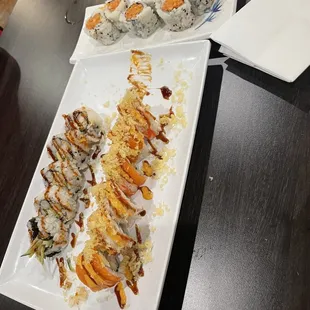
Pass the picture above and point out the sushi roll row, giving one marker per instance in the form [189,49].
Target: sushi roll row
[111,254]
[57,206]
[142,18]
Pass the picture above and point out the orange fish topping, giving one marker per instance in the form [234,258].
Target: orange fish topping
[112,5]
[169,5]
[93,21]
[133,10]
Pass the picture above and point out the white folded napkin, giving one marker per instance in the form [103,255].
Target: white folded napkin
[270,35]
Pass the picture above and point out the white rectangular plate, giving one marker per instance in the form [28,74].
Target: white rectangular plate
[202,29]
[93,82]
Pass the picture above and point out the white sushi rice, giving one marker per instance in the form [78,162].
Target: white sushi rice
[145,23]
[114,16]
[104,32]
[64,173]
[49,224]
[177,19]
[199,7]
[151,3]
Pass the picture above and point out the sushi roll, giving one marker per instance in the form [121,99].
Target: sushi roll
[62,149]
[144,121]
[83,141]
[60,241]
[58,201]
[113,10]
[85,120]
[107,230]
[177,15]
[48,236]
[57,205]
[101,29]
[64,174]
[199,7]
[120,205]
[140,20]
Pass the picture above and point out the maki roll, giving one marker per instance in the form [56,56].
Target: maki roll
[64,174]
[122,208]
[57,201]
[113,10]
[140,20]
[199,7]
[57,206]
[177,15]
[102,224]
[85,120]
[48,236]
[62,149]
[101,29]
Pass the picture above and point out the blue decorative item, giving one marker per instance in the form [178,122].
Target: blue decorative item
[215,8]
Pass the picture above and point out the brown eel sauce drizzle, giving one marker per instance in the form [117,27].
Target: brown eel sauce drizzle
[96,153]
[133,286]
[73,241]
[93,181]
[80,222]
[166,92]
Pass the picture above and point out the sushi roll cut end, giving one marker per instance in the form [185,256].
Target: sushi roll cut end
[112,5]
[101,29]
[140,19]
[93,21]
[113,10]
[177,14]
[170,5]
[133,11]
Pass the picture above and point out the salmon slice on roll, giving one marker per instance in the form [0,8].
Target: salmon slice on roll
[95,271]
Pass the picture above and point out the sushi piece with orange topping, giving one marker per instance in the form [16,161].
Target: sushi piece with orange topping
[101,29]
[140,19]
[113,10]
[176,14]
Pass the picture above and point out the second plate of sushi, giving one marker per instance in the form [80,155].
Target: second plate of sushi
[120,25]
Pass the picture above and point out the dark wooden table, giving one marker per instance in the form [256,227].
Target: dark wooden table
[243,239]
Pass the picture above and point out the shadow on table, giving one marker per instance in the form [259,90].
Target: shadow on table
[297,93]
[9,134]
[176,278]
[9,85]
[9,79]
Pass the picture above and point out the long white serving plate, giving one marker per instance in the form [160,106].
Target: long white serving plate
[93,82]
[204,26]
